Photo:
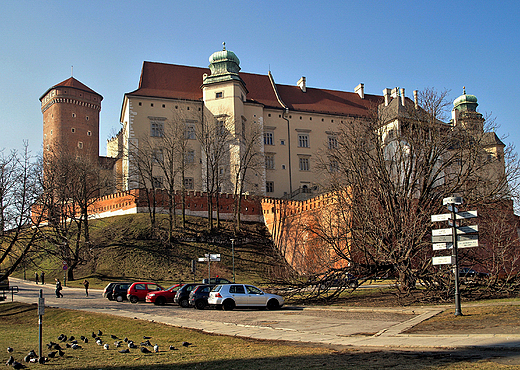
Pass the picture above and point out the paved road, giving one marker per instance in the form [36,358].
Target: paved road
[362,327]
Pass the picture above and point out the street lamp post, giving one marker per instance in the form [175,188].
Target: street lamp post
[233,257]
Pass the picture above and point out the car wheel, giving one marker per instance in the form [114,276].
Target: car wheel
[353,284]
[273,304]
[110,298]
[184,303]
[134,299]
[119,298]
[161,301]
[200,304]
[228,305]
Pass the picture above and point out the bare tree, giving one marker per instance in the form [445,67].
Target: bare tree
[393,169]
[249,158]
[19,191]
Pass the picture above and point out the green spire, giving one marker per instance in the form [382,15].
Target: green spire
[224,66]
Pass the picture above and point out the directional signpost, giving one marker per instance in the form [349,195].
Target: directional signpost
[453,238]
[210,258]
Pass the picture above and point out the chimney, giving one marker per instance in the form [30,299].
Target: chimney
[386,93]
[360,90]
[395,92]
[402,96]
[301,84]
[416,98]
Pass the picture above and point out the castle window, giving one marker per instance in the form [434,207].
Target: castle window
[190,156]
[89,133]
[282,142]
[188,183]
[157,156]
[304,163]
[156,129]
[269,187]
[190,132]
[80,145]
[86,118]
[269,115]
[164,105]
[51,132]
[187,108]
[268,138]
[73,130]
[151,104]
[140,103]
[303,140]
[219,95]
[73,115]
[157,182]
[269,161]
[333,142]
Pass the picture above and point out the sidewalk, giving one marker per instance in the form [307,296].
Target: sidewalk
[338,326]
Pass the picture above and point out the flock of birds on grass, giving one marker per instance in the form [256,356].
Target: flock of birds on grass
[57,350]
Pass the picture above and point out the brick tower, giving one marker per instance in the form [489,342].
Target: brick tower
[71,120]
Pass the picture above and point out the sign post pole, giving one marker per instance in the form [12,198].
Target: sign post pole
[41,306]
[455,255]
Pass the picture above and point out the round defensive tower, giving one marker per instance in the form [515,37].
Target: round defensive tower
[71,120]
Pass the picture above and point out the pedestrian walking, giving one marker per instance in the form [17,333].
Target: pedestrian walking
[42,277]
[36,277]
[86,284]
[58,288]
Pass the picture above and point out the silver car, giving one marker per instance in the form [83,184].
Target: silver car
[229,296]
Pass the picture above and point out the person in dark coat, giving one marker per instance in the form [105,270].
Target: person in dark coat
[58,288]
[86,284]
[42,277]
[36,277]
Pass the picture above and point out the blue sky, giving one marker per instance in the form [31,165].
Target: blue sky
[335,44]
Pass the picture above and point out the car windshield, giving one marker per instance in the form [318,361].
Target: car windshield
[174,287]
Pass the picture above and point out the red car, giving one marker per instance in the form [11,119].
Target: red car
[138,291]
[161,297]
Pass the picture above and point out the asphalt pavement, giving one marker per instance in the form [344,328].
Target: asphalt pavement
[338,326]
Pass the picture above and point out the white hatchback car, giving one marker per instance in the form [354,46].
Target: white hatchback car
[229,296]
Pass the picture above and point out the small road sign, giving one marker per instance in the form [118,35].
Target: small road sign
[442,246]
[467,229]
[442,238]
[214,257]
[203,259]
[467,243]
[441,217]
[464,237]
[444,260]
[452,200]
[466,214]
[437,232]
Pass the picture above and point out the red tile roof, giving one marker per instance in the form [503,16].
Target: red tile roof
[72,82]
[173,81]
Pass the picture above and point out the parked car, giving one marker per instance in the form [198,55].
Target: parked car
[107,292]
[199,296]
[161,297]
[138,291]
[216,280]
[469,273]
[119,291]
[229,296]
[183,295]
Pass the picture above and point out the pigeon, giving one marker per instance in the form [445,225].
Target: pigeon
[99,342]
[9,350]
[56,346]
[68,345]
[131,345]
[105,346]
[74,342]
[34,360]
[63,338]
[113,336]
[117,343]
[172,348]
[17,365]
[145,337]
[61,353]
[99,333]
[186,344]
[126,350]
[93,335]
[82,338]
[85,340]
[10,361]
[156,348]
[75,346]
[146,343]
[32,354]
[125,340]
[27,358]
[52,354]
[42,360]
[145,350]
[71,337]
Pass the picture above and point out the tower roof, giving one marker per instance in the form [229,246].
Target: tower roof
[75,84]
[466,102]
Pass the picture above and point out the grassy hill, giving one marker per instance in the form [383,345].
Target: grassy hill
[124,248]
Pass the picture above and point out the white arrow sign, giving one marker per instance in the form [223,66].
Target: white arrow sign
[444,260]
[466,214]
[437,232]
[441,217]
[203,259]
[467,229]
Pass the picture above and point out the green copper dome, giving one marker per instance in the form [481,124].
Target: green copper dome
[466,102]
[224,66]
